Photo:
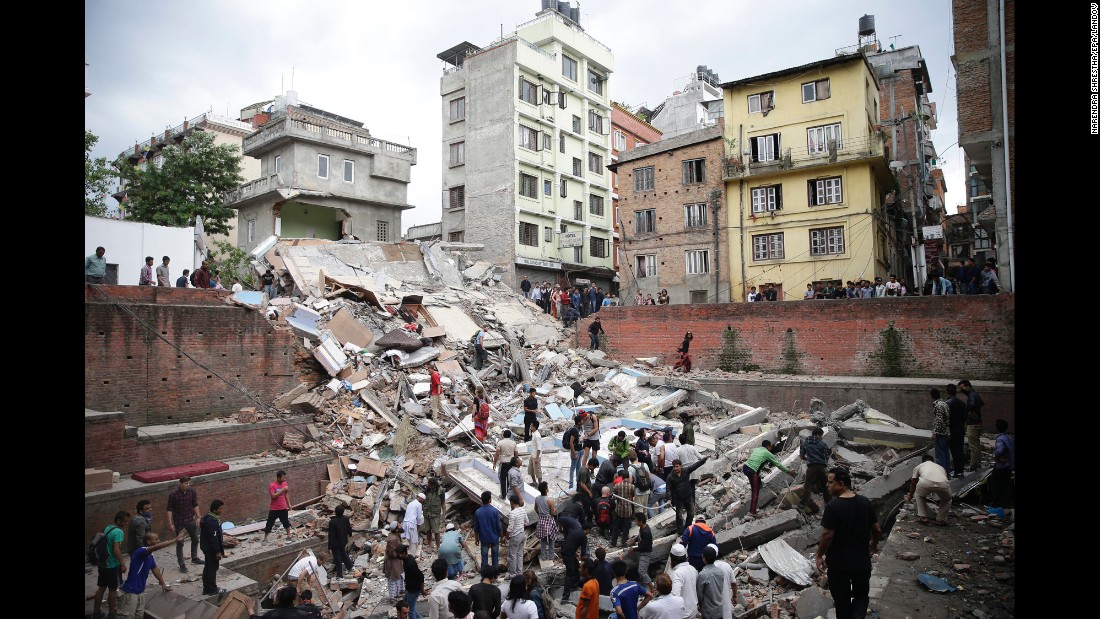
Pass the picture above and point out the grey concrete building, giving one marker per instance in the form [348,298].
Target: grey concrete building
[321,176]
[526,123]
[697,105]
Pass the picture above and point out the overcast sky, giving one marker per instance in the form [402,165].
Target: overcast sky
[152,64]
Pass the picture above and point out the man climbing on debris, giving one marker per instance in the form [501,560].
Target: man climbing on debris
[679,491]
[594,331]
[502,457]
[530,412]
[435,392]
[450,550]
[752,469]
[930,478]
[487,529]
[434,508]
[849,537]
[687,434]
[339,532]
[414,518]
[571,440]
[570,316]
[816,454]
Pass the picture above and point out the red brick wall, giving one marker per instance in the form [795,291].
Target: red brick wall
[951,336]
[244,492]
[130,369]
[107,445]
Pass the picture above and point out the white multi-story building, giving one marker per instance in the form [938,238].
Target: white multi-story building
[526,124]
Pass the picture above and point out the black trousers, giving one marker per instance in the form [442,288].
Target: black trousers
[504,468]
[527,419]
[955,443]
[620,524]
[210,573]
[851,592]
[1000,486]
[681,507]
[342,560]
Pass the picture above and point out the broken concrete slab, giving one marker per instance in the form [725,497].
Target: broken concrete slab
[399,339]
[653,406]
[749,535]
[459,326]
[813,603]
[777,479]
[307,404]
[419,357]
[729,426]
[884,434]
[846,411]
[851,457]
[540,335]
[480,271]
[787,562]
[882,486]
[331,356]
[434,332]
[284,400]
[304,322]
[346,328]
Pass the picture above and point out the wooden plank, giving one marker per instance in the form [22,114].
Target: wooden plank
[335,472]
[236,606]
[474,554]
[373,467]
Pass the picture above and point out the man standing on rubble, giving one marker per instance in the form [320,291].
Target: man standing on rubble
[678,487]
[414,517]
[571,440]
[816,454]
[684,579]
[712,587]
[752,468]
[506,448]
[530,413]
[279,509]
[435,392]
[696,538]
[487,529]
[515,480]
[183,513]
[525,286]
[212,547]
[394,567]
[479,347]
[434,509]
[516,535]
[956,422]
[974,406]
[414,580]
[849,537]
[941,430]
[594,331]
[534,453]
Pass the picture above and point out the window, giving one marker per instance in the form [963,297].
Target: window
[349,171]
[595,163]
[569,67]
[819,138]
[383,232]
[458,109]
[576,124]
[620,140]
[458,153]
[981,238]
[548,234]
[528,91]
[528,234]
[578,210]
[643,179]
[322,166]
[767,246]
[547,141]
[826,241]
[549,97]
[595,204]
[577,167]
[561,142]
[528,186]
[825,191]
[765,199]
[278,163]
[251,230]
[457,197]
[547,188]
[456,237]
[761,102]
[699,296]
[765,147]
[578,254]
[815,91]
[695,171]
[528,137]
[695,215]
[645,221]
[564,187]
[646,266]
[698,261]
[597,247]
[595,122]
[595,82]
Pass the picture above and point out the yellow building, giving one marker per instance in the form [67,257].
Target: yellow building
[807,179]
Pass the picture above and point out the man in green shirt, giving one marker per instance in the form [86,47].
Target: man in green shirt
[95,267]
[110,573]
[687,435]
[752,467]
[433,513]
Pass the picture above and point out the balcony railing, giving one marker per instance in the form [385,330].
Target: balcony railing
[160,141]
[277,128]
[740,165]
[252,188]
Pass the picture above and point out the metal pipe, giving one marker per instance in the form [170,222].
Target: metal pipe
[741,215]
[1004,146]
[715,196]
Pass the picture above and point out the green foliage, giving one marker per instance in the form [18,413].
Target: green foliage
[732,357]
[191,181]
[791,355]
[894,356]
[97,178]
[230,261]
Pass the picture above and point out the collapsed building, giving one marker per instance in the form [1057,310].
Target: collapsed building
[369,319]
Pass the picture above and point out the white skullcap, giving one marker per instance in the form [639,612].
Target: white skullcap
[678,550]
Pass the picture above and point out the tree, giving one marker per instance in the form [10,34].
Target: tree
[190,181]
[231,262]
[97,178]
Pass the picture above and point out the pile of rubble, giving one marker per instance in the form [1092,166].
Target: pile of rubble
[374,317]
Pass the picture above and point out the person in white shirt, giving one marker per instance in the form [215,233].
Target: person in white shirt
[893,287]
[437,602]
[517,536]
[665,605]
[534,454]
[237,287]
[930,478]
[519,604]
[809,294]
[684,579]
[754,296]
[731,582]
[414,517]
[669,452]
[305,565]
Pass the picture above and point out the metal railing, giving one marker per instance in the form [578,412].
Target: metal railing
[861,147]
[558,16]
[278,127]
[187,124]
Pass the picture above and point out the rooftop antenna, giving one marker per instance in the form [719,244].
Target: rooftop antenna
[892,41]
[282,88]
[292,78]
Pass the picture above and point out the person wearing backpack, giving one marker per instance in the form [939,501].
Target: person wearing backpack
[111,568]
[604,511]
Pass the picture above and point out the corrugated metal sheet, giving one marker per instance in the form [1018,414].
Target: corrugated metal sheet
[787,562]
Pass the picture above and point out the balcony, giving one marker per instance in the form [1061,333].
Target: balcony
[298,126]
[851,149]
[253,188]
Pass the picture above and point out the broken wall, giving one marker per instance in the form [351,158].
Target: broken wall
[957,336]
[129,369]
[244,491]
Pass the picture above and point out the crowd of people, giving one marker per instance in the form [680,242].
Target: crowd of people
[567,304]
[95,272]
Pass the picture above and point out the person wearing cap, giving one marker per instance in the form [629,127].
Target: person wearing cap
[393,568]
[414,518]
[684,578]
[752,467]
[816,454]
[731,580]
[711,586]
[450,549]
[696,538]
[880,288]
[594,331]
[435,505]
